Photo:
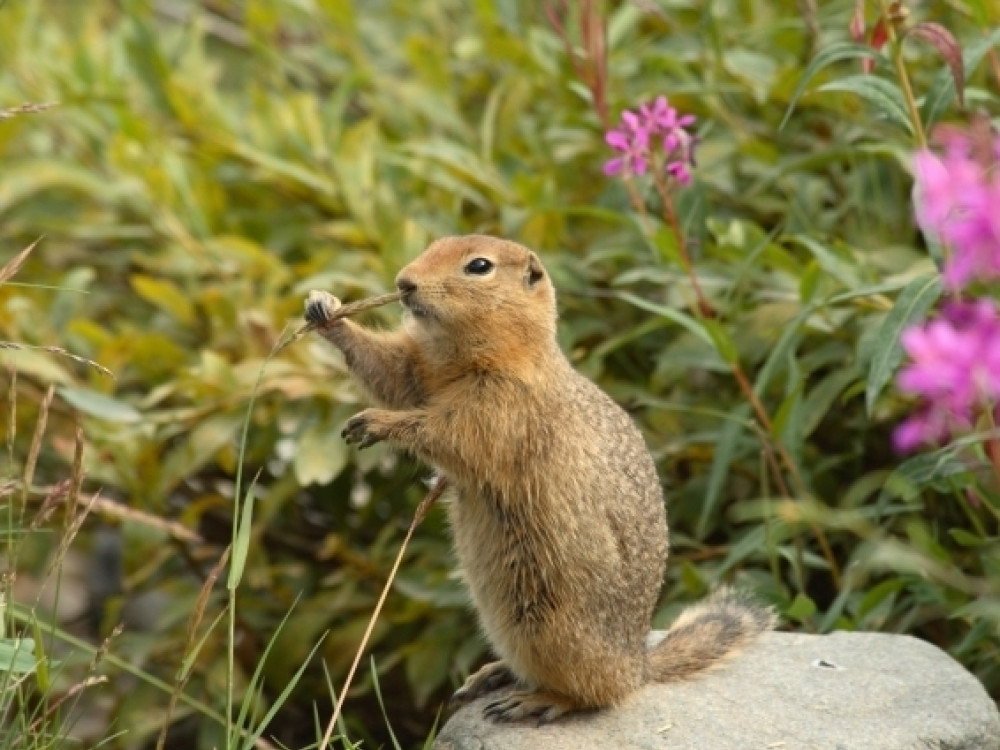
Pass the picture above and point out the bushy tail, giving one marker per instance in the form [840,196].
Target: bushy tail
[707,634]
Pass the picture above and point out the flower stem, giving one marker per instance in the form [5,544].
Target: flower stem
[703,306]
[896,45]
[995,65]
[992,446]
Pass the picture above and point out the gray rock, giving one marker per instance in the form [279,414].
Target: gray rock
[843,691]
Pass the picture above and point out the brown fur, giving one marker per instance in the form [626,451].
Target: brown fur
[558,516]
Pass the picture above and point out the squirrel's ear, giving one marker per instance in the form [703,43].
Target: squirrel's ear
[534,272]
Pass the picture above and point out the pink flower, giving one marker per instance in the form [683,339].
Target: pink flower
[955,370]
[956,196]
[632,141]
[679,171]
[636,139]
[659,117]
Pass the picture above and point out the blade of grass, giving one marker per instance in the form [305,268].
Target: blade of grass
[278,702]
[381,704]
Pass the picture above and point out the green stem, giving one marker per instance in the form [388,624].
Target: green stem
[904,79]
[702,307]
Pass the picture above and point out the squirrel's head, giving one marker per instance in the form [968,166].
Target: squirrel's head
[474,289]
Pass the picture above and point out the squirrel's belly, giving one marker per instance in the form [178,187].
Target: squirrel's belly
[511,595]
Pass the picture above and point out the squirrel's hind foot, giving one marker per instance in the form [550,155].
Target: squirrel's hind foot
[493,676]
[541,705]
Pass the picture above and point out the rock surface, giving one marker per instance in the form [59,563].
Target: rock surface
[843,691]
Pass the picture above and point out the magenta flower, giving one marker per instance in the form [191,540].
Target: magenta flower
[655,135]
[660,117]
[632,140]
[955,370]
[956,196]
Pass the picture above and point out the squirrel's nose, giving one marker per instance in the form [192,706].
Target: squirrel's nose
[404,285]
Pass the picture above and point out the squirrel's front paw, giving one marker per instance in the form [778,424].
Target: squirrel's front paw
[362,429]
[320,307]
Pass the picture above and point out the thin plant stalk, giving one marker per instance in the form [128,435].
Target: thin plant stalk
[191,646]
[992,447]
[904,77]
[703,306]
[425,504]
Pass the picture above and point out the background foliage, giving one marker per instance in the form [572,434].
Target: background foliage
[209,163]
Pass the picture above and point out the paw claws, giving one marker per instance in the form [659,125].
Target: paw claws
[358,432]
[320,307]
[490,677]
[541,706]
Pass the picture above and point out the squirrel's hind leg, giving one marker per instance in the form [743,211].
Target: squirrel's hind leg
[541,705]
[493,676]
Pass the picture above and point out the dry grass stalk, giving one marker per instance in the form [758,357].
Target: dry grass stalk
[12,425]
[36,447]
[73,692]
[11,267]
[69,491]
[352,308]
[25,109]
[196,617]
[73,526]
[61,352]
[77,475]
[435,492]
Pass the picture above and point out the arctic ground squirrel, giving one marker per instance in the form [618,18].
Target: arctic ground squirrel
[557,512]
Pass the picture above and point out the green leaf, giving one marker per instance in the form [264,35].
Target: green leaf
[17,656]
[355,169]
[809,282]
[942,90]
[462,162]
[723,342]
[833,260]
[166,296]
[242,544]
[916,473]
[912,304]
[320,456]
[827,56]
[284,169]
[722,459]
[42,676]
[788,341]
[885,95]
[98,405]
[879,595]
[966,538]
[682,319]
[801,608]
[191,657]
[381,703]
[821,397]
[941,39]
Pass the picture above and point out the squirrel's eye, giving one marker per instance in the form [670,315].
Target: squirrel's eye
[479,266]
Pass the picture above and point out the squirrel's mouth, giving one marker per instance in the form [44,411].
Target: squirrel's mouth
[415,308]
